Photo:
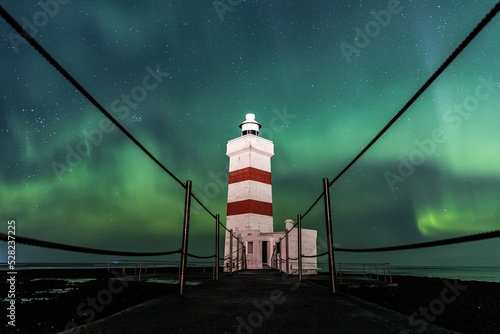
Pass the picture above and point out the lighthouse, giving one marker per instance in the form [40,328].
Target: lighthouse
[249,195]
[250,203]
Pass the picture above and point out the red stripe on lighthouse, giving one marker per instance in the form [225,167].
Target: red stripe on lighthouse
[250,174]
[249,206]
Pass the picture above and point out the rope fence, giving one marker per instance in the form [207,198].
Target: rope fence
[33,242]
[442,242]
[327,184]
[187,186]
[45,54]
[78,249]
[473,34]
[200,257]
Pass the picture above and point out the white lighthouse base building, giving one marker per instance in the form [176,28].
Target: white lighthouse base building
[264,249]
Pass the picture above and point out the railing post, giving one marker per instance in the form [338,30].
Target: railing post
[299,225]
[238,254]
[185,237]
[287,255]
[109,264]
[328,216]
[278,259]
[217,247]
[231,252]
[123,271]
[244,258]
[140,270]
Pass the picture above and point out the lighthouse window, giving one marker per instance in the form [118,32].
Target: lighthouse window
[250,132]
[250,247]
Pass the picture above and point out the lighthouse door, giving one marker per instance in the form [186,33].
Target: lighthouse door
[264,252]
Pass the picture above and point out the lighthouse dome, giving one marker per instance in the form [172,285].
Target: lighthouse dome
[250,126]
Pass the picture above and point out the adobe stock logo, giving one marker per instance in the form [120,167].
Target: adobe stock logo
[222,7]
[436,307]
[38,20]
[121,108]
[96,304]
[264,309]
[372,29]
[453,118]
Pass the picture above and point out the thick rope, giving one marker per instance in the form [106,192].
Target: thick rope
[70,248]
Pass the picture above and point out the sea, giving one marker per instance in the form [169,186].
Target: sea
[485,274]
[82,265]
[469,273]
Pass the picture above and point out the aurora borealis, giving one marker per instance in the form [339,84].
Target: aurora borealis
[323,78]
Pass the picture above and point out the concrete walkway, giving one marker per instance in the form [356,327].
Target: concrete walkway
[256,301]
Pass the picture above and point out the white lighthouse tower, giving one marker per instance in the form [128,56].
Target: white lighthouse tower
[249,198]
[250,209]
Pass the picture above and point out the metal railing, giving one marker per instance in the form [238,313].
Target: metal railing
[140,267]
[370,270]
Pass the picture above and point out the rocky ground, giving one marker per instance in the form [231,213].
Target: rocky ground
[41,307]
[463,306]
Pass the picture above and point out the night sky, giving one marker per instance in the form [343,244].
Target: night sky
[322,77]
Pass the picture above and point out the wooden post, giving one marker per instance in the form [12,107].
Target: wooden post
[238,254]
[185,237]
[244,257]
[217,247]
[140,271]
[231,252]
[286,253]
[299,225]
[328,218]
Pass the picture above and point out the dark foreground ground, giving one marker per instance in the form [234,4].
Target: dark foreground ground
[468,307]
[53,312]
[463,306]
